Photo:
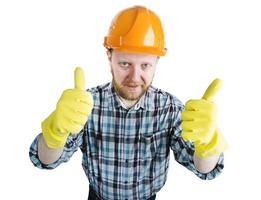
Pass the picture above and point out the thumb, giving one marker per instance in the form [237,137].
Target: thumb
[79,81]
[212,90]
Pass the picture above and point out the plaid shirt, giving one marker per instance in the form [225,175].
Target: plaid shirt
[126,151]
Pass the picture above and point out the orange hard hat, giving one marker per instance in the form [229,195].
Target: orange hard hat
[136,30]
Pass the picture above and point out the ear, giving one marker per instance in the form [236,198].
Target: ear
[109,54]
[158,57]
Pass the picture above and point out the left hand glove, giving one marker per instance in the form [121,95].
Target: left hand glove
[199,124]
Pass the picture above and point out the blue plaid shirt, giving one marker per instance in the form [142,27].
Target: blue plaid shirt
[125,152]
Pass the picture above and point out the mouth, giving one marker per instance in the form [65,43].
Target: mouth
[132,87]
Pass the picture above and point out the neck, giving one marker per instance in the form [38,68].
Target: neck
[128,103]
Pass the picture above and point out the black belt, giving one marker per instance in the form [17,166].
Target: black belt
[93,196]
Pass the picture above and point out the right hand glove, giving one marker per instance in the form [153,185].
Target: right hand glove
[70,115]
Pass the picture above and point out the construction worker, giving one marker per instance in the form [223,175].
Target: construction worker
[126,128]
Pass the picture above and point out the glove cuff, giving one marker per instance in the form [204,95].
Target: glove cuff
[52,137]
[216,146]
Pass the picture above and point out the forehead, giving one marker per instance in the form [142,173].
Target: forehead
[131,57]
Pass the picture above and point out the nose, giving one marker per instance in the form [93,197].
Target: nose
[135,74]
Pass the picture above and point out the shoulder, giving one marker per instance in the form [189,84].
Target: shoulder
[162,98]
[99,89]
[100,93]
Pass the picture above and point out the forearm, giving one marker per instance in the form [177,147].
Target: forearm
[47,155]
[205,165]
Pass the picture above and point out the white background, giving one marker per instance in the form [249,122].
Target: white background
[42,41]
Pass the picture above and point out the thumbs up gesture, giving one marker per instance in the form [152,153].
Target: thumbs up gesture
[70,115]
[199,124]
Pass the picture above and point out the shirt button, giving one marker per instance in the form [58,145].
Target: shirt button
[126,182]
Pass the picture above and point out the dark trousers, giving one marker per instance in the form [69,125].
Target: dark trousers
[93,196]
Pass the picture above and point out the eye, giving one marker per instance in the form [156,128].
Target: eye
[124,64]
[145,66]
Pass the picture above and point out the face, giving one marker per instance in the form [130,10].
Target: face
[132,73]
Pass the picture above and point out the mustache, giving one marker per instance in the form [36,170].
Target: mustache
[133,84]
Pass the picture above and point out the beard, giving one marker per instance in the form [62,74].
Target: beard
[130,95]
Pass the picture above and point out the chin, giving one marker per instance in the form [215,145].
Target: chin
[133,96]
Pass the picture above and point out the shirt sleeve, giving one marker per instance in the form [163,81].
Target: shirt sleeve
[71,146]
[184,151]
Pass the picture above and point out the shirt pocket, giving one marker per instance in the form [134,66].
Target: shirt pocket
[153,148]
[147,146]
[162,144]
[154,144]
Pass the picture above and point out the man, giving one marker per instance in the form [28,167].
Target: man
[125,128]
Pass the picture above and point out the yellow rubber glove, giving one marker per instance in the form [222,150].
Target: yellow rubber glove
[199,124]
[70,115]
